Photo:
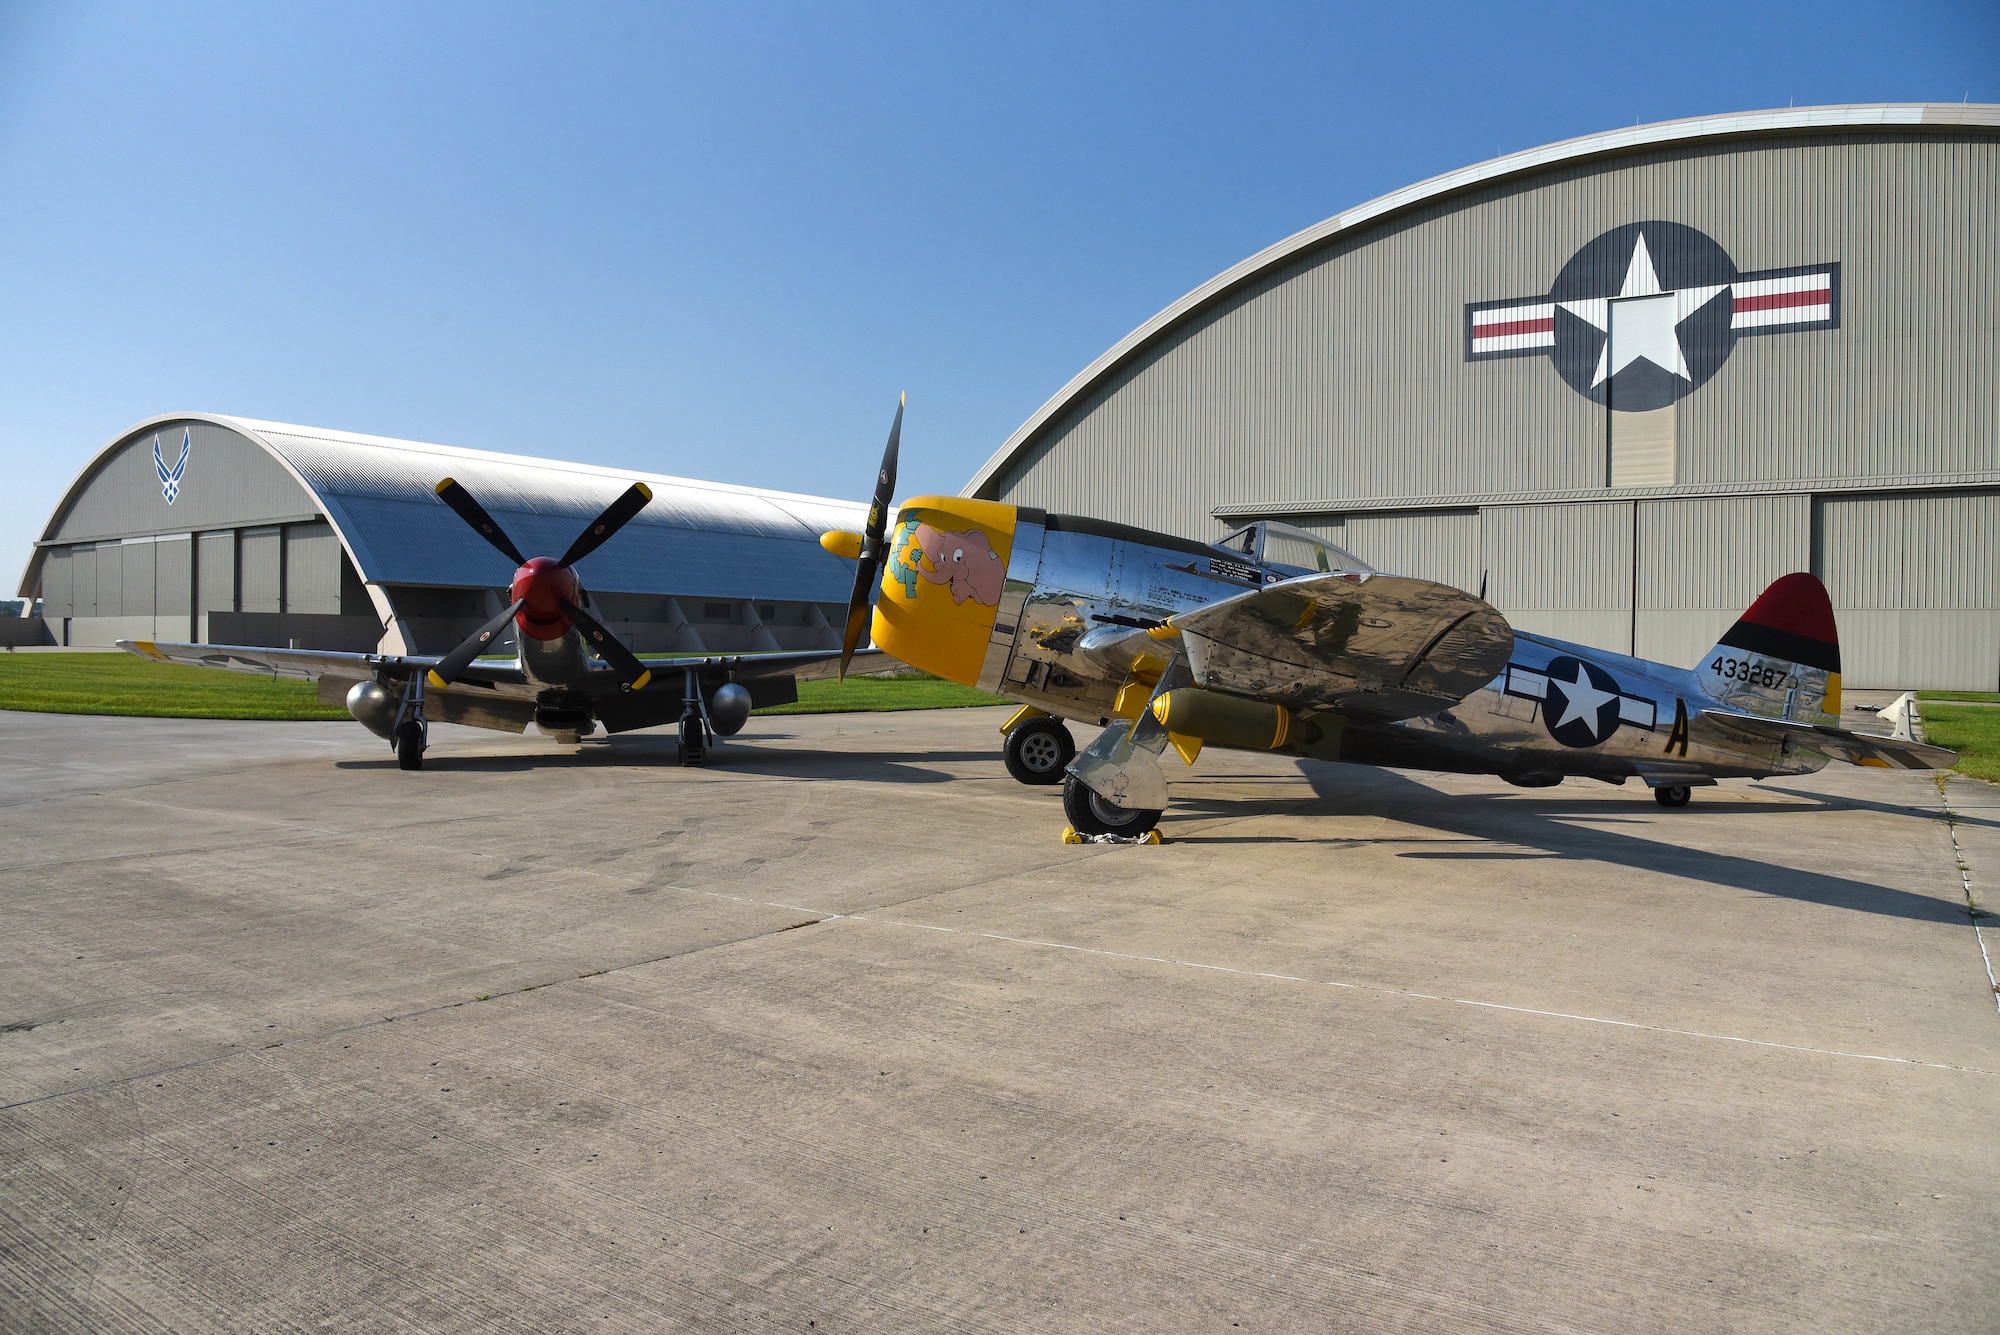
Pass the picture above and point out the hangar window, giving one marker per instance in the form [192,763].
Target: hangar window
[767,611]
[717,612]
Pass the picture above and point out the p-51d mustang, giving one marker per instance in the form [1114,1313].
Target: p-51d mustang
[1182,644]
[552,683]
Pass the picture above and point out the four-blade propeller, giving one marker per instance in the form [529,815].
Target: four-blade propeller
[872,551]
[546,592]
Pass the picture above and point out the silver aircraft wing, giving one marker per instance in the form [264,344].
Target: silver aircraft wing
[484,678]
[800,664]
[1835,743]
[1366,645]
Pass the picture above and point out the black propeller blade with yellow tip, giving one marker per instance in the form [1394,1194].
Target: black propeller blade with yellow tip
[459,659]
[609,647]
[872,550]
[615,517]
[473,513]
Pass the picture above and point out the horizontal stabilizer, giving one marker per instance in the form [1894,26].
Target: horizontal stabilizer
[1836,743]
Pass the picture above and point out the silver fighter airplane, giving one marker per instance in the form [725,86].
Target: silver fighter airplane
[1176,645]
[570,673]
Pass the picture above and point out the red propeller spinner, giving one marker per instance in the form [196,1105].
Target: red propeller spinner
[541,586]
[546,592]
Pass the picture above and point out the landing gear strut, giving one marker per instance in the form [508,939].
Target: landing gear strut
[696,731]
[1038,750]
[410,735]
[1673,795]
[1090,814]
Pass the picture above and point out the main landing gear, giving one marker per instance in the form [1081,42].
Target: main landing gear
[1090,814]
[696,731]
[1038,750]
[1673,795]
[411,732]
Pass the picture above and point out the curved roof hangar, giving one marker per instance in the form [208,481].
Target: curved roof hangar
[1018,451]
[695,538]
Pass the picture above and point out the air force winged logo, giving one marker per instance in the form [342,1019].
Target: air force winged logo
[1679,304]
[170,478]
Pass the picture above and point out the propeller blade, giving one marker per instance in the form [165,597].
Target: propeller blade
[461,658]
[609,647]
[615,517]
[473,513]
[870,563]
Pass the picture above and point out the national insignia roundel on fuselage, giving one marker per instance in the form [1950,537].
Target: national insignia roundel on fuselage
[1582,703]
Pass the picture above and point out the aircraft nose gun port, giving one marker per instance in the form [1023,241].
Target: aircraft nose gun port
[1229,720]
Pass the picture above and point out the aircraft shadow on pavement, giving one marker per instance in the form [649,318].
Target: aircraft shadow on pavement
[657,751]
[1546,829]
[1888,808]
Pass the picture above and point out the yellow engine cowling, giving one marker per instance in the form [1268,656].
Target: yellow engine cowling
[942,579]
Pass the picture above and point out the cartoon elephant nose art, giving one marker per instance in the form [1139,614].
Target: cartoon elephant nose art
[964,560]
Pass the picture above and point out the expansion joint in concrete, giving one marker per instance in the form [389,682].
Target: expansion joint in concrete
[1972,909]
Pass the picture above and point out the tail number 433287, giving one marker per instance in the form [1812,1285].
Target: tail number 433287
[1743,670]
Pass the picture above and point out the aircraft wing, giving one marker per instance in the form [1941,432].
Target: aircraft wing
[1369,646]
[1835,743]
[292,664]
[801,664]
[483,678]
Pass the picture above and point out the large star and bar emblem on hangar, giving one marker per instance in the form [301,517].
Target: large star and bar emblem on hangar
[1688,306]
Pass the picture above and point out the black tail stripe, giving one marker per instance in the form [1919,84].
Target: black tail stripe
[1752,638]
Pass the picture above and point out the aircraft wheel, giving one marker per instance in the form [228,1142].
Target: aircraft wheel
[410,746]
[1038,751]
[1090,814]
[691,748]
[1675,795]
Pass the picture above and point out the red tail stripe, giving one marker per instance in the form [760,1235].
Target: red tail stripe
[1796,604]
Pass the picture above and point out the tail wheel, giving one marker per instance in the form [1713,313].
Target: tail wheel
[410,745]
[1674,795]
[1090,814]
[1038,751]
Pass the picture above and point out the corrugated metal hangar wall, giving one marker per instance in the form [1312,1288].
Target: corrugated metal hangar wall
[1624,381]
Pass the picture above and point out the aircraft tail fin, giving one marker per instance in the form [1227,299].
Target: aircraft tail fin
[1782,657]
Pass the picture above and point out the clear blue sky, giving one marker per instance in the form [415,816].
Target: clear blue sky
[718,240]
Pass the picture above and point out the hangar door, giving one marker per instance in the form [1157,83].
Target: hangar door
[1442,545]
[1915,581]
[1703,560]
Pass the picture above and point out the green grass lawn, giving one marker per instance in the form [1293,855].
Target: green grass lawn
[1978,697]
[1972,732]
[876,694]
[124,684]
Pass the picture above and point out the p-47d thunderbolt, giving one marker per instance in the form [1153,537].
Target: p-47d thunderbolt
[554,681]
[1176,645]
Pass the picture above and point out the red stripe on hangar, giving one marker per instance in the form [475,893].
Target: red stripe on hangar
[1547,326]
[1790,301]
[1524,327]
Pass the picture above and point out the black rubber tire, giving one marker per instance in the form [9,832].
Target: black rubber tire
[410,746]
[1090,814]
[1673,795]
[1038,751]
[693,735]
